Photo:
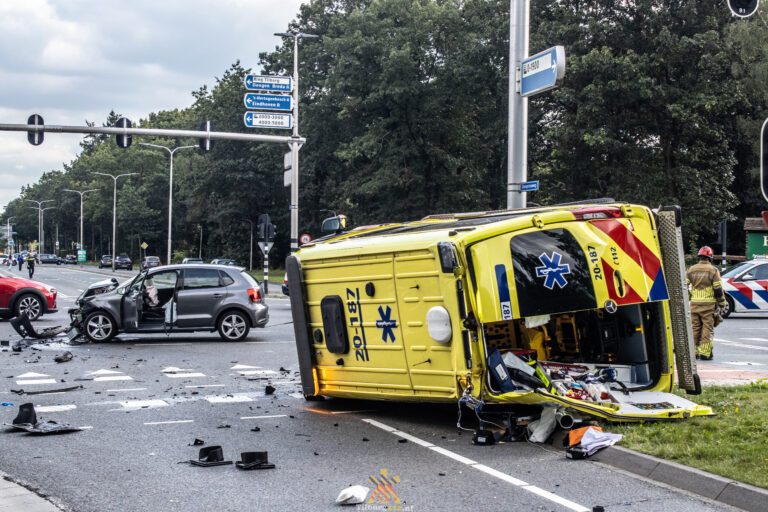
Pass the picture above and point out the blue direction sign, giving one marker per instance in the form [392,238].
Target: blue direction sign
[529,186]
[542,71]
[267,120]
[268,83]
[279,102]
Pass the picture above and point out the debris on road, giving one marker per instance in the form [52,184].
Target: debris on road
[224,425]
[26,420]
[64,358]
[353,495]
[269,390]
[254,460]
[210,456]
[197,442]
[256,429]
[586,441]
[46,391]
[7,404]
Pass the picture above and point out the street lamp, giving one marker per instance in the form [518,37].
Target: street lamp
[9,234]
[200,253]
[114,211]
[42,228]
[39,215]
[295,144]
[170,187]
[82,193]
[250,246]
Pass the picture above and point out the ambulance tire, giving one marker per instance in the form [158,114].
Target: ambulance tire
[728,308]
[314,398]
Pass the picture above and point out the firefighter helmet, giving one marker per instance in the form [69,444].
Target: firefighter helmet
[706,252]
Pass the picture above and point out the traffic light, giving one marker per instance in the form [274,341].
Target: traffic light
[35,138]
[743,8]
[205,143]
[124,141]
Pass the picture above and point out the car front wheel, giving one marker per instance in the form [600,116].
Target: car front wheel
[31,305]
[99,327]
[728,309]
[233,326]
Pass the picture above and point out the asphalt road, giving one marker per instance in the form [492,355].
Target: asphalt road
[145,399]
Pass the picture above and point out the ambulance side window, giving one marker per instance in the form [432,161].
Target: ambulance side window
[334,324]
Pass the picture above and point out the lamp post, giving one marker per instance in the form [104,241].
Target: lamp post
[250,246]
[170,188]
[114,211]
[42,228]
[200,252]
[9,234]
[295,144]
[39,208]
[82,193]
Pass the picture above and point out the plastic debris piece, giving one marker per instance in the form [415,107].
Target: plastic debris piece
[210,456]
[26,415]
[7,404]
[197,442]
[256,429]
[542,428]
[254,460]
[51,427]
[224,425]
[353,495]
[64,358]
[269,390]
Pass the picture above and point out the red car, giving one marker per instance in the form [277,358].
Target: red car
[19,295]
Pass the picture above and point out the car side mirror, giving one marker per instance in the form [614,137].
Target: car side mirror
[335,224]
[747,277]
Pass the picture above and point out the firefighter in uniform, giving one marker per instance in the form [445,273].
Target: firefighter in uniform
[706,292]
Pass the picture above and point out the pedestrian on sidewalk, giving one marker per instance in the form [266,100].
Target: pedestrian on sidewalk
[706,292]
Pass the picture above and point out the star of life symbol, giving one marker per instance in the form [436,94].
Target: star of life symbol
[552,271]
[387,324]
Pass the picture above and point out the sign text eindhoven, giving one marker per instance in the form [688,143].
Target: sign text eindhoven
[279,102]
[542,71]
[267,120]
[268,83]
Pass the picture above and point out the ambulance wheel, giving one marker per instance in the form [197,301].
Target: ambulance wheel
[314,398]
[728,309]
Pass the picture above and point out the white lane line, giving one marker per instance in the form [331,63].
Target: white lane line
[141,404]
[160,344]
[168,422]
[244,367]
[228,399]
[485,469]
[754,339]
[257,372]
[209,386]
[111,378]
[125,390]
[55,408]
[35,381]
[89,427]
[184,375]
[740,345]
[263,417]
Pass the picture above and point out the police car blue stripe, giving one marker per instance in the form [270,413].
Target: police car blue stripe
[742,299]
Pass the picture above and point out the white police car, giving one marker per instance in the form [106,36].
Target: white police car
[746,287]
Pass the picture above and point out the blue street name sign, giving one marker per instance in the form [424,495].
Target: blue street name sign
[279,102]
[529,186]
[267,120]
[543,71]
[268,83]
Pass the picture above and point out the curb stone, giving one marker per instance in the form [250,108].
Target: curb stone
[724,490]
[17,497]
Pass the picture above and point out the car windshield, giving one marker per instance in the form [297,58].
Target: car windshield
[734,271]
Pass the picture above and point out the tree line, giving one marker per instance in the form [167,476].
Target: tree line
[404,108]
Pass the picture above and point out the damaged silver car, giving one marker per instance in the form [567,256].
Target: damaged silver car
[173,298]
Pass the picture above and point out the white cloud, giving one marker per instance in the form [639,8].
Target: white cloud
[72,60]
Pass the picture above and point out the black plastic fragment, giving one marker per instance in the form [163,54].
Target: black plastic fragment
[210,456]
[254,460]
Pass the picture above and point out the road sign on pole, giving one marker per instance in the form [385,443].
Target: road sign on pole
[265,120]
[281,102]
[529,186]
[543,71]
[35,138]
[268,83]
[81,256]
[743,8]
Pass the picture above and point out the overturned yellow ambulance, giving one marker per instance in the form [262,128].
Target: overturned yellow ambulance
[580,306]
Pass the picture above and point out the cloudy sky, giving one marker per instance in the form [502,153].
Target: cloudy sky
[75,60]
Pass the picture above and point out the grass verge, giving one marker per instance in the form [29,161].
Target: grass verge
[733,444]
